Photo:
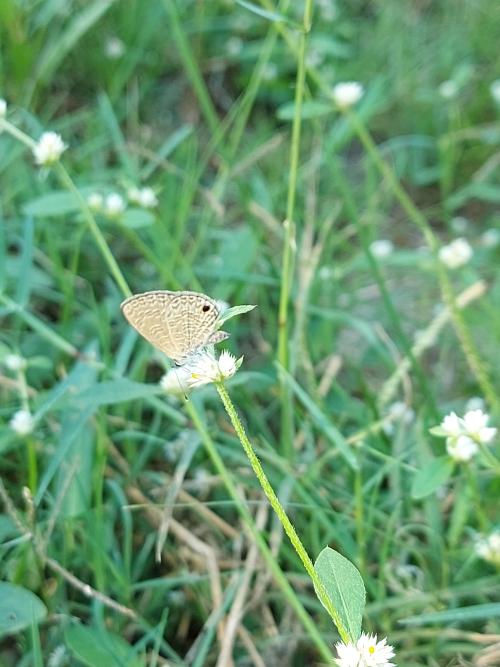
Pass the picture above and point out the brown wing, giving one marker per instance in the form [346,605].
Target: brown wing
[174,322]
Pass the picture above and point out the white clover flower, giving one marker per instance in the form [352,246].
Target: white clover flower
[476,426]
[495,90]
[488,548]
[14,362]
[448,89]
[95,201]
[114,48]
[148,198]
[382,248]
[490,238]
[134,195]
[455,254]
[345,95]
[452,425]
[398,412]
[461,448]
[114,205]
[3,108]
[49,149]
[366,652]
[459,224]
[22,422]
[204,368]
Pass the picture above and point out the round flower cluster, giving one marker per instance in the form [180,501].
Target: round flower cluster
[201,368]
[465,434]
[366,652]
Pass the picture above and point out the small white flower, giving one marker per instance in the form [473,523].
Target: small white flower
[488,548]
[114,205]
[22,422]
[3,108]
[448,89]
[14,362]
[345,95]
[175,380]
[234,45]
[452,425]
[455,254]
[204,368]
[382,248]
[476,426]
[114,48]
[148,198]
[366,652]
[490,238]
[495,90]
[49,149]
[145,197]
[95,201]
[461,448]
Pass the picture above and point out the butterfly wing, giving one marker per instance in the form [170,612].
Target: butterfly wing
[177,323]
[190,321]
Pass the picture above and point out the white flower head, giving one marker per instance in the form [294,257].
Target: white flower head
[455,254]
[175,380]
[476,426]
[14,362]
[49,149]
[490,238]
[459,224]
[95,201]
[461,448]
[3,108]
[204,368]
[366,652]
[488,548]
[22,422]
[475,403]
[448,89]
[452,425]
[114,205]
[382,248]
[114,48]
[345,95]
[145,197]
[495,90]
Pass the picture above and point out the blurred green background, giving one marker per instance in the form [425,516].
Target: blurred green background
[196,101]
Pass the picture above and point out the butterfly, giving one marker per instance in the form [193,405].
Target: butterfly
[176,323]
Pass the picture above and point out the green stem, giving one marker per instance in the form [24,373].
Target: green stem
[280,512]
[95,231]
[289,240]
[267,555]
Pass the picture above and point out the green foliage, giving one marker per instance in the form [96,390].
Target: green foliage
[197,101]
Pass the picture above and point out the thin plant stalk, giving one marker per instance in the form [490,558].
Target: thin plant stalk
[268,557]
[289,239]
[280,512]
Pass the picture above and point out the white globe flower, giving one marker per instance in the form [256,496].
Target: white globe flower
[148,198]
[22,422]
[347,94]
[495,90]
[14,362]
[476,426]
[114,205]
[382,248]
[114,48]
[49,149]
[95,201]
[488,548]
[452,425]
[461,448]
[490,238]
[448,89]
[366,652]
[455,254]
[3,108]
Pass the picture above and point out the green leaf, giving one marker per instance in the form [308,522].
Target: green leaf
[116,391]
[309,109]
[231,312]
[439,431]
[431,477]
[345,588]
[264,13]
[96,647]
[476,612]
[135,218]
[52,204]
[19,609]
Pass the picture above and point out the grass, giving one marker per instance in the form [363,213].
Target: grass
[225,110]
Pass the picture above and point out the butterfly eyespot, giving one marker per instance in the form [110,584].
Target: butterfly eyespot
[206,308]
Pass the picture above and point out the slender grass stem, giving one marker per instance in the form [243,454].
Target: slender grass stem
[280,512]
[268,557]
[289,239]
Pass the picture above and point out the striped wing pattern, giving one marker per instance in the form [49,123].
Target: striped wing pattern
[177,323]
